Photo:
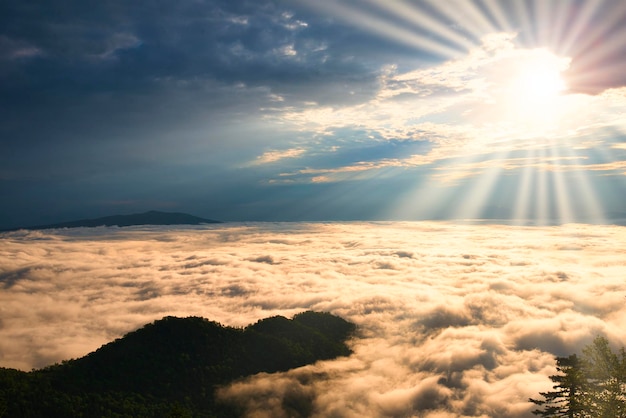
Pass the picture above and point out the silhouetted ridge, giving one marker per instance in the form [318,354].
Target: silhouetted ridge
[172,365]
[152,217]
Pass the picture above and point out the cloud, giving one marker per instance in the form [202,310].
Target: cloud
[131,102]
[463,107]
[273,156]
[454,320]
[467,112]
[596,55]
[12,49]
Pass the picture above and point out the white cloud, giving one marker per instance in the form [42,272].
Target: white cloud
[470,107]
[277,155]
[455,320]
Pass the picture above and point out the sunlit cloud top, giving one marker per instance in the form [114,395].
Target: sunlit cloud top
[454,320]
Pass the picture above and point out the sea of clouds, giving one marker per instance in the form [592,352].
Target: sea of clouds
[455,320]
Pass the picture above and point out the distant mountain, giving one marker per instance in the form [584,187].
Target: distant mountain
[171,367]
[147,218]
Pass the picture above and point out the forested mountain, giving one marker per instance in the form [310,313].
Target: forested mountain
[171,367]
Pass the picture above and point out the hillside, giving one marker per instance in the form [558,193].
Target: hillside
[147,218]
[171,367]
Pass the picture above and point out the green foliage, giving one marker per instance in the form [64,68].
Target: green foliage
[568,398]
[590,386]
[606,379]
[170,368]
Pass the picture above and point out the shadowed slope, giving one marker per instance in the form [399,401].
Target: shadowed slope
[172,367]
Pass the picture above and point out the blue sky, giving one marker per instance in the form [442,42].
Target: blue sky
[313,110]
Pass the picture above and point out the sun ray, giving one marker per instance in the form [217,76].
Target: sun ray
[563,15]
[596,35]
[519,91]
[595,70]
[465,12]
[386,28]
[596,54]
[544,15]
[522,202]
[480,187]
[541,213]
[422,201]
[494,21]
[591,210]
[577,26]
[476,197]
[408,13]
[563,205]
[521,10]
[496,9]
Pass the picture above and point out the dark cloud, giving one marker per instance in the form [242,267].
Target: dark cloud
[597,58]
[268,259]
[10,278]
[133,47]
[443,317]
[121,97]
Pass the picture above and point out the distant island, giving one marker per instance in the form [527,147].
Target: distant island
[172,367]
[152,217]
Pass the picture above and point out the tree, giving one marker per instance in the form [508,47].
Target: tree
[568,398]
[590,386]
[606,380]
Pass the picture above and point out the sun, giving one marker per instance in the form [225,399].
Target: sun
[536,82]
[528,91]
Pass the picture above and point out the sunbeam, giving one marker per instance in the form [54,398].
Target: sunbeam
[564,209]
[384,27]
[524,191]
[551,24]
[408,13]
[513,98]
[494,9]
[595,40]
[590,206]
[542,197]
[464,13]
[525,20]
[480,189]
[573,30]
[597,49]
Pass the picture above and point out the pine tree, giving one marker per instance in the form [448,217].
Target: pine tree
[568,398]
[605,374]
[590,386]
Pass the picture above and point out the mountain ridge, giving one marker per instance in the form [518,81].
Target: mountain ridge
[152,217]
[172,367]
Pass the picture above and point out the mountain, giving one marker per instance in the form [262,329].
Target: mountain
[147,218]
[172,367]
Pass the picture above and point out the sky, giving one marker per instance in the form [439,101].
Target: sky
[454,320]
[276,110]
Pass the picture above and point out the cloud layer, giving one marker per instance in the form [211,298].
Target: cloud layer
[455,320]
